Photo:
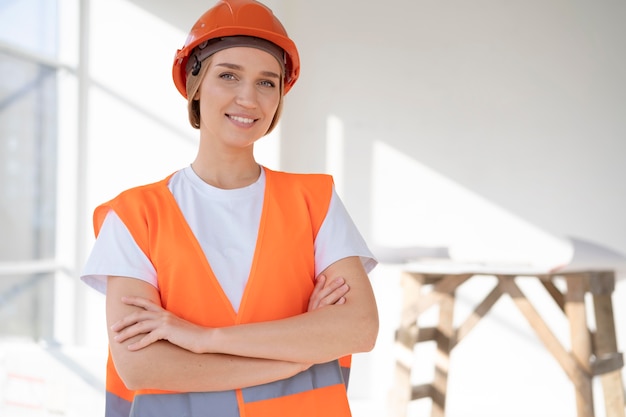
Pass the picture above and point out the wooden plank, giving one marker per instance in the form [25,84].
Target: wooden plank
[421,391]
[607,363]
[428,334]
[601,282]
[447,285]
[606,343]
[555,293]
[445,331]
[554,346]
[400,395]
[479,312]
[581,342]
[578,365]
[411,292]
[416,301]
[406,337]
[613,396]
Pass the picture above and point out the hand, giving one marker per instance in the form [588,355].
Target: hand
[156,323]
[328,294]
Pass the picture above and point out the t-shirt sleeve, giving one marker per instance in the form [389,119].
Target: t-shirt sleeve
[339,238]
[115,253]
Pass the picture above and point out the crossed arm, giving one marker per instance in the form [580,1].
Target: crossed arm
[342,319]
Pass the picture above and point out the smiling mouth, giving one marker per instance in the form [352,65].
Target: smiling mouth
[240,119]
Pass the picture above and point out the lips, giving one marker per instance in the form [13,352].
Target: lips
[241,119]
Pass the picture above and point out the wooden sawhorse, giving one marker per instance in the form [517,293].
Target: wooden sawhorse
[593,353]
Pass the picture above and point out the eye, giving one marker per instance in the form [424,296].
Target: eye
[227,76]
[267,83]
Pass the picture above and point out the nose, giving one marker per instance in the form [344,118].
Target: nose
[247,95]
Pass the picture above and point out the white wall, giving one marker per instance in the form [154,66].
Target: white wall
[495,128]
[520,103]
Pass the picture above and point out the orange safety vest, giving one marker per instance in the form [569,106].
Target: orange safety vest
[279,285]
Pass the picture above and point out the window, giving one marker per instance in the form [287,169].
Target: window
[28,160]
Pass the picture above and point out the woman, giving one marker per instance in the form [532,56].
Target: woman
[232,289]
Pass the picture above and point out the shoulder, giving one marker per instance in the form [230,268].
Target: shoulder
[315,183]
[308,194]
[146,191]
[137,201]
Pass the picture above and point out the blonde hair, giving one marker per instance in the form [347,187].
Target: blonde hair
[193,104]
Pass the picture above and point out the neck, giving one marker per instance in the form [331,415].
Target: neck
[227,174]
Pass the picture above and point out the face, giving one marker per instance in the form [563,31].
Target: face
[239,96]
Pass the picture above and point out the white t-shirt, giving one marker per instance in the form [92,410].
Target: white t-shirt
[225,223]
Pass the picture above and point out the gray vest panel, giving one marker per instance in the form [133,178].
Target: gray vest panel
[317,376]
[224,403]
[192,404]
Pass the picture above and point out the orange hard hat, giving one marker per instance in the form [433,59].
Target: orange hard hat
[237,18]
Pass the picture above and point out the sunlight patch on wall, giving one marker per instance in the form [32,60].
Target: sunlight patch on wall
[131,54]
[335,150]
[414,205]
[138,124]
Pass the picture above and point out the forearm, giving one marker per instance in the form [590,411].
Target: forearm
[163,365]
[167,367]
[314,337]
[318,336]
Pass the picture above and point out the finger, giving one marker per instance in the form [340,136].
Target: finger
[331,287]
[132,319]
[320,282]
[341,291]
[141,302]
[144,341]
[136,323]
[336,295]
[336,283]
[128,332]
[327,292]
[316,295]
[123,323]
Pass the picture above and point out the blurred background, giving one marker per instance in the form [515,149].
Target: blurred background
[493,129]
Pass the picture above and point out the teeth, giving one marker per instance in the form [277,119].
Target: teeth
[242,119]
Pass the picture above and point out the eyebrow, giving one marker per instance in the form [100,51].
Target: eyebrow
[240,68]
